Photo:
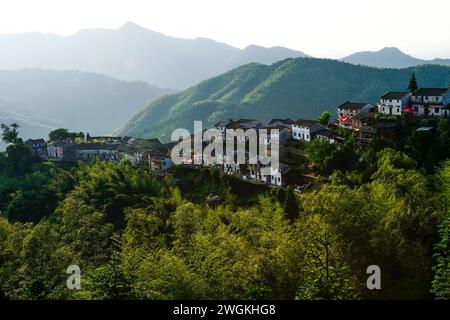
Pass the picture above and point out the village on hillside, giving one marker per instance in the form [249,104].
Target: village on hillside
[361,121]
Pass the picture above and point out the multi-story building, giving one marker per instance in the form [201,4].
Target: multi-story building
[431,102]
[38,147]
[304,130]
[103,151]
[393,103]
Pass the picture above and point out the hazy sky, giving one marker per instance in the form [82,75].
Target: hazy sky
[322,28]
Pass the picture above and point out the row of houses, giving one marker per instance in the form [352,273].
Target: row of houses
[426,103]
[423,103]
[356,116]
[288,130]
[149,152]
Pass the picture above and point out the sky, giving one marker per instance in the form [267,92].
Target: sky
[322,28]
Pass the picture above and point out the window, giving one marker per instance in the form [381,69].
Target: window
[398,109]
[436,110]
[416,109]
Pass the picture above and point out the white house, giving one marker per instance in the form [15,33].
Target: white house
[89,151]
[281,138]
[159,162]
[303,129]
[392,103]
[328,135]
[431,102]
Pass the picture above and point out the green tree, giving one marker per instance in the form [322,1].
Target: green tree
[441,268]
[10,133]
[290,205]
[62,133]
[324,118]
[18,156]
[412,86]
[319,153]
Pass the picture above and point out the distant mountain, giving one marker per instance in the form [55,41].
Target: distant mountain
[262,55]
[132,53]
[295,88]
[389,58]
[41,100]
[33,123]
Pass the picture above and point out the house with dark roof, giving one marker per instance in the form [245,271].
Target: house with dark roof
[394,102]
[431,102]
[60,151]
[231,124]
[38,147]
[350,114]
[329,136]
[281,123]
[159,162]
[137,150]
[275,134]
[244,124]
[304,129]
[89,151]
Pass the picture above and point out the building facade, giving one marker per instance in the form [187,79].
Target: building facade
[304,130]
[431,102]
[393,103]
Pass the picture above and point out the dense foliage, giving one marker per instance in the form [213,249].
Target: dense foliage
[293,88]
[200,236]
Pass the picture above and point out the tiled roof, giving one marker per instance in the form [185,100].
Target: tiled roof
[394,95]
[34,141]
[95,146]
[430,91]
[305,122]
[352,105]
[326,133]
[241,123]
[285,121]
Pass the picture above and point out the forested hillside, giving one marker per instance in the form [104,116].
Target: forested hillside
[136,235]
[295,88]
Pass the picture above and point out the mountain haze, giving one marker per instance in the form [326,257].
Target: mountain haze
[389,57]
[132,53]
[41,100]
[294,88]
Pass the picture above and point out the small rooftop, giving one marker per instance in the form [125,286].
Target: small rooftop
[430,91]
[305,122]
[352,105]
[395,95]
[34,141]
[284,121]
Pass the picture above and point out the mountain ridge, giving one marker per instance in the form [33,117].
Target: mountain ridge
[130,53]
[389,57]
[292,88]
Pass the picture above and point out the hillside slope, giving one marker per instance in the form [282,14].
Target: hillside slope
[41,99]
[295,88]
